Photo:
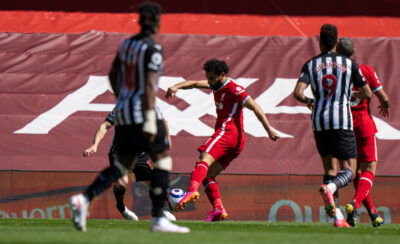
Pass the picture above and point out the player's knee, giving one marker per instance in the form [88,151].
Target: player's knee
[163,164]
[122,169]
[157,191]
[122,182]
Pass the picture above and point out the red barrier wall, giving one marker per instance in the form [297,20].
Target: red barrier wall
[246,197]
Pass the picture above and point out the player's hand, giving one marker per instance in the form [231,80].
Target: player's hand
[90,151]
[272,134]
[383,110]
[171,92]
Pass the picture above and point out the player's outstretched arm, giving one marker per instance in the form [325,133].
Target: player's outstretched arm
[100,133]
[189,84]
[363,92]
[299,95]
[253,106]
[383,102]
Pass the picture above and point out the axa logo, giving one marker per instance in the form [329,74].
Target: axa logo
[188,119]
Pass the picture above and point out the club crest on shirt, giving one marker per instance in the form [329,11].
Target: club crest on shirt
[219,105]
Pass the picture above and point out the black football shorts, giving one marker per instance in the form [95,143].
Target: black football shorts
[341,144]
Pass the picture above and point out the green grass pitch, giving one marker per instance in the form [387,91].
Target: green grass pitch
[120,231]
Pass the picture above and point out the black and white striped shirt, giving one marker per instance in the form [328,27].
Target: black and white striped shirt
[136,56]
[331,77]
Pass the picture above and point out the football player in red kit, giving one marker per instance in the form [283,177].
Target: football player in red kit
[228,139]
[364,129]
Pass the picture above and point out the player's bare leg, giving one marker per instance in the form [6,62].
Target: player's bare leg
[198,174]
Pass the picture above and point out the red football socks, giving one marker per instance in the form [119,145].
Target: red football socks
[369,205]
[198,175]
[363,187]
[212,190]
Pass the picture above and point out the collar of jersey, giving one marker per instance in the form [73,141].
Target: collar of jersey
[226,82]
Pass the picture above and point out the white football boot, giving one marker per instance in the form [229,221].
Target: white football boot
[79,205]
[129,215]
[162,224]
[169,216]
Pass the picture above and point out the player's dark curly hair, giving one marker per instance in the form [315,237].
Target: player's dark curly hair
[328,36]
[216,66]
[149,11]
[345,47]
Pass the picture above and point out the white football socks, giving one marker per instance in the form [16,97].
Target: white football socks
[332,187]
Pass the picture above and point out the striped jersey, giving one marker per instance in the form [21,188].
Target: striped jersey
[331,77]
[136,56]
[110,119]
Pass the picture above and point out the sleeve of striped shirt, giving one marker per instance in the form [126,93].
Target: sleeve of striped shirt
[305,74]
[110,117]
[153,58]
[356,76]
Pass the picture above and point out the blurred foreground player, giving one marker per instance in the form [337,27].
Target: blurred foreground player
[138,126]
[331,77]
[228,139]
[364,129]
[142,170]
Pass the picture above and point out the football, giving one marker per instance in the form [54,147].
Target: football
[174,196]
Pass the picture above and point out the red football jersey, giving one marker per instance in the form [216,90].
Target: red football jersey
[362,119]
[229,99]
[373,81]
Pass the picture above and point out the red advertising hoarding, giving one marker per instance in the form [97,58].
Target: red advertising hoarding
[246,197]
